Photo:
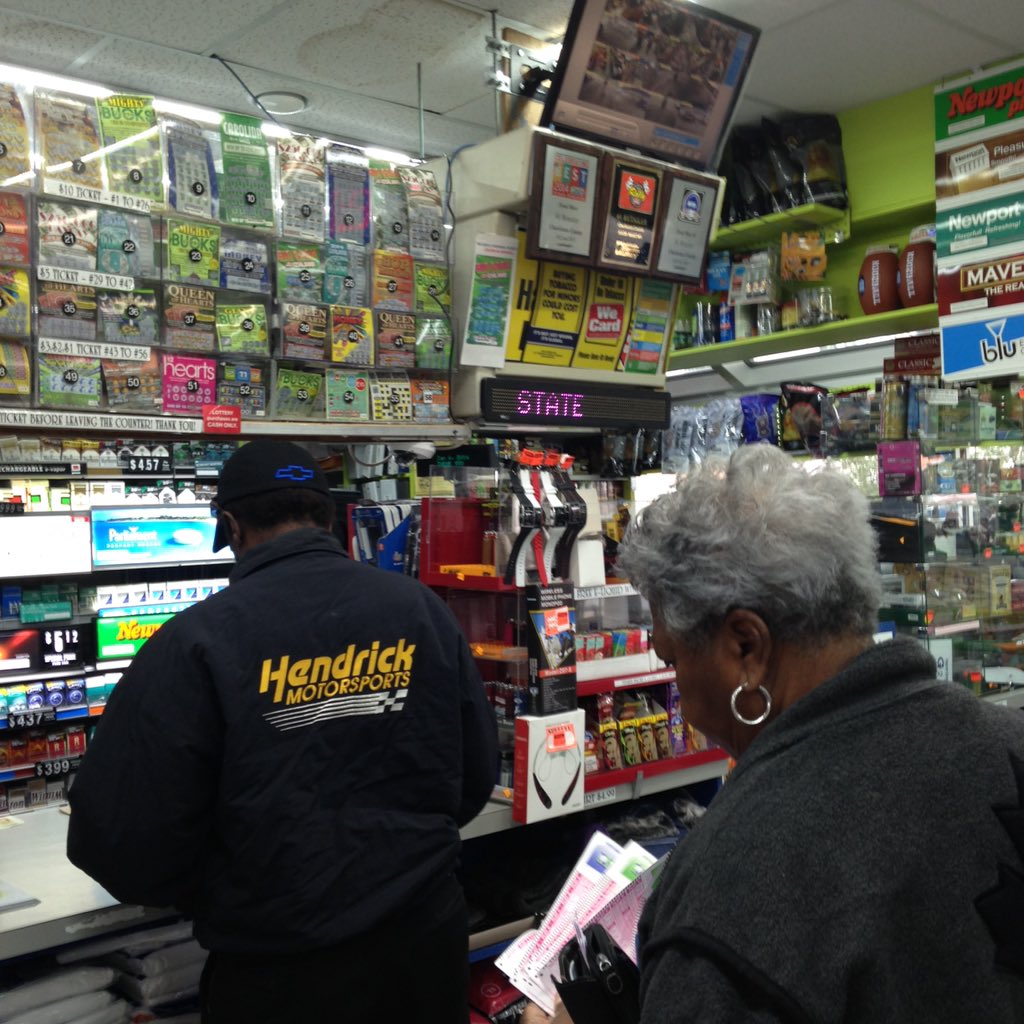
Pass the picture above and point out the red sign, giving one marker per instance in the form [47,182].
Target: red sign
[222,419]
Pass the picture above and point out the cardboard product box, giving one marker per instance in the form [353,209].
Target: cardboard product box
[899,468]
[492,996]
[547,774]
[551,648]
[1000,598]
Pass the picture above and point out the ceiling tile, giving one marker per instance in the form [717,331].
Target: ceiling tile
[185,24]
[32,42]
[837,58]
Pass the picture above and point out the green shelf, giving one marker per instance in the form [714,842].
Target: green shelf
[918,318]
[752,233]
[896,217]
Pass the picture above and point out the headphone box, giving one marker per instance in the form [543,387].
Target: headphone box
[547,777]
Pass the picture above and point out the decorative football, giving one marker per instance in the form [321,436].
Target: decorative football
[915,273]
[876,286]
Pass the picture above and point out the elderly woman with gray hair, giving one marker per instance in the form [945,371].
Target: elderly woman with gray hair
[865,860]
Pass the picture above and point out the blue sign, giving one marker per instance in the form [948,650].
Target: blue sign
[153,535]
[989,347]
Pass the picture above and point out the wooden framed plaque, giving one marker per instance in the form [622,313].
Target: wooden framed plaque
[689,209]
[564,184]
[630,196]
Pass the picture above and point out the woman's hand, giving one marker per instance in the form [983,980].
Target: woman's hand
[533,1014]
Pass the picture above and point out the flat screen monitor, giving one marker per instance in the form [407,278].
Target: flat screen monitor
[659,76]
[141,535]
[45,544]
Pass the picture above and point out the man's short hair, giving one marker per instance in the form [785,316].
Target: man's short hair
[288,505]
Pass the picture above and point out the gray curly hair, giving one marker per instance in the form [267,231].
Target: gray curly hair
[758,532]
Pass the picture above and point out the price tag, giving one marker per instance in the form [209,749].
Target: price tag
[56,769]
[149,465]
[12,508]
[23,719]
[601,796]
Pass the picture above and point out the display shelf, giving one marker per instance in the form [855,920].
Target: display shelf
[482,584]
[749,234]
[141,425]
[608,684]
[901,321]
[892,217]
[1012,698]
[616,787]
[605,780]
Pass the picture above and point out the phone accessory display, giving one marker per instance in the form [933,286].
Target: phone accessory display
[527,517]
[556,773]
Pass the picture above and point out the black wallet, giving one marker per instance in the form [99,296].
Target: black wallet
[600,984]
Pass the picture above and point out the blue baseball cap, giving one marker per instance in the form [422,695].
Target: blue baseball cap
[261,466]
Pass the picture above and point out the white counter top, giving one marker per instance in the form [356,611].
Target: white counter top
[71,906]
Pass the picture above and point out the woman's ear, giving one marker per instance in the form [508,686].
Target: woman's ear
[748,641]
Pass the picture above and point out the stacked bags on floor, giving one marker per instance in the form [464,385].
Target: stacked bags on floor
[68,995]
[156,972]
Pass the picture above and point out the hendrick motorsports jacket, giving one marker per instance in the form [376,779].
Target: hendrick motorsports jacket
[289,761]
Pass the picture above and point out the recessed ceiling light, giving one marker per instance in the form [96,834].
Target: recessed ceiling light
[283,102]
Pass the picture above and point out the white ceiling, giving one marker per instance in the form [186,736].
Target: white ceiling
[356,60]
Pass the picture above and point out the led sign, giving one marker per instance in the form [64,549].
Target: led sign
[538,402]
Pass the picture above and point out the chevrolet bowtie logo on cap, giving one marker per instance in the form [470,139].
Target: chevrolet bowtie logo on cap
[293,473]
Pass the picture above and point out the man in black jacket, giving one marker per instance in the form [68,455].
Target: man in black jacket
[289,763]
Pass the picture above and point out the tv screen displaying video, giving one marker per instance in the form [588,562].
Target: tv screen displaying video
[659,76]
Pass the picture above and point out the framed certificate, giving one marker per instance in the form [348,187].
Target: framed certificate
[688,213]
[631,193]
[564,186]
